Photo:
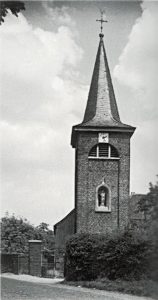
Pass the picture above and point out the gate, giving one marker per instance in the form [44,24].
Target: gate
[48,266]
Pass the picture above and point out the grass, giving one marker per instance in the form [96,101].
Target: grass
[141,287]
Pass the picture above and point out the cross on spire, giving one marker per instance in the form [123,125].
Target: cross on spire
[101,20]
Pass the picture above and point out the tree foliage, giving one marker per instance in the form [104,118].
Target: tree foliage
[46,235]
[14,6]
[16,232]
[148,205]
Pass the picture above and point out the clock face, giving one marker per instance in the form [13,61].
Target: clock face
[103,137]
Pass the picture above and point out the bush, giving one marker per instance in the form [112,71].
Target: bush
[91,256]
[79,258]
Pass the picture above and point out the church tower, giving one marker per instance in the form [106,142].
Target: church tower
[102,157]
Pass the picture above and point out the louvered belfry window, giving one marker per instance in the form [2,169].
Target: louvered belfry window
[93,152]
[114,152]
[103,150]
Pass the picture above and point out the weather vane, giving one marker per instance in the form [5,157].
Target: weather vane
[101,20]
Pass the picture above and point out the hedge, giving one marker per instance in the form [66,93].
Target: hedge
[91,256]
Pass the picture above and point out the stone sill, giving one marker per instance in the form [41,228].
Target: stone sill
[104,158]
[102,209]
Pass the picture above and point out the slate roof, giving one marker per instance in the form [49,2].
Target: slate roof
[101,110]
[101,107]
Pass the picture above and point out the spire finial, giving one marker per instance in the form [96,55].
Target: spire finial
[101,20]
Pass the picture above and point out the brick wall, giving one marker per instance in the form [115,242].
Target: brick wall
[35,257]
[90,174]
[63,229]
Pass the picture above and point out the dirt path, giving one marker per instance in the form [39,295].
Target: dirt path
[20,287]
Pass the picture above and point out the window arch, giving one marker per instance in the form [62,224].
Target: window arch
[103,150]
[103,203]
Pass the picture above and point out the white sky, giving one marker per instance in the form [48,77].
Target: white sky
[47,57]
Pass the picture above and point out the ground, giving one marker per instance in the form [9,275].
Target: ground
[25,287]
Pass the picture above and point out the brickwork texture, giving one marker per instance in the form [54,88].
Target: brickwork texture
[90,173]
[35,258]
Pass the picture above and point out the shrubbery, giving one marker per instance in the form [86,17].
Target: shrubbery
[124,256]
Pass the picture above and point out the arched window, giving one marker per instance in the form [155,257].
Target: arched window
[103,198]
[103,150]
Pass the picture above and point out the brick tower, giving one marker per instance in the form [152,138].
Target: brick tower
[102,157]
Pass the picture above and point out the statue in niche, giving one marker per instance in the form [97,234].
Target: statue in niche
[102,196]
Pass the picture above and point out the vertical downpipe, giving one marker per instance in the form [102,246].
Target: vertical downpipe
[118,202]
[76,167]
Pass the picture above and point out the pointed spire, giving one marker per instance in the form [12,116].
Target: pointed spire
[101,107]
[101,112]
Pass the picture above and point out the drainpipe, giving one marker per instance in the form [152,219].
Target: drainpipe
[118,201]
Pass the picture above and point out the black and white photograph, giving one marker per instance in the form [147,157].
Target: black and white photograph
[79,166]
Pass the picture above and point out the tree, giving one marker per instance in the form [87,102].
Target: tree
[47,236]
[14,6]
[16,232]
[148,204]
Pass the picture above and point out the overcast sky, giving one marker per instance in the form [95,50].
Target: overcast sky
[47,57]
